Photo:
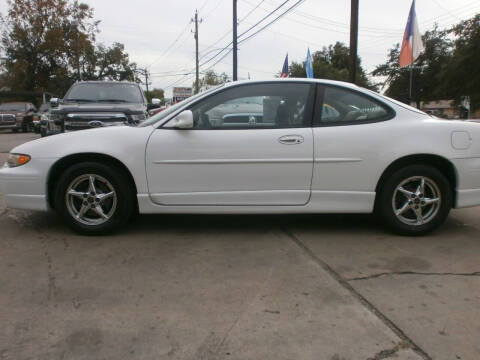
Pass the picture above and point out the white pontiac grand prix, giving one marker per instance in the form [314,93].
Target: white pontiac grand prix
[280,146]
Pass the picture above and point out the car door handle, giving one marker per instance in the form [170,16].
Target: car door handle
[291,140]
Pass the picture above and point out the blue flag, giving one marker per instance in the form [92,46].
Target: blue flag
[284,73]
[308,65]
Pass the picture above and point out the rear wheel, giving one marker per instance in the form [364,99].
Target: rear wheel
[94,198]
[415,200]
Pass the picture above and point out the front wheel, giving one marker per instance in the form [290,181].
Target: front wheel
[94,199]
[414,200]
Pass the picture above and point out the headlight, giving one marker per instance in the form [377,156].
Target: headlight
[138,117]
[15,160]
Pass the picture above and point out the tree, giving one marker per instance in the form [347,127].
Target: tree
[50,44]
[461,76]
[109,63]
[331,63]
[155,93]
[40,38]
[211,78]
[426,73]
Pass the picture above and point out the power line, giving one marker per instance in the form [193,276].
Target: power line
[271,22]
[171,45]
[448,11]
[329,22]
[243,33]
[251,11]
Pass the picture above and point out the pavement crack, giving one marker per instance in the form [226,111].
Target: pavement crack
[406,341]
[476,273]
[388,353]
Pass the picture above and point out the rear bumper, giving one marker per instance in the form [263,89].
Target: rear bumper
[468,181]
[468,198]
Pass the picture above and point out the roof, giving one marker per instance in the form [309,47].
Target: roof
[105,82]
[305,80]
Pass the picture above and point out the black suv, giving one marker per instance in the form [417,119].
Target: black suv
[91,104]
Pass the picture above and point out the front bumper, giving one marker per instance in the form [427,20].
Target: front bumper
[11,126]
[25,187]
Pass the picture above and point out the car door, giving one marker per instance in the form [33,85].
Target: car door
[352,140]
[251,144]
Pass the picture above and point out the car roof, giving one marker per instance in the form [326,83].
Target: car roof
[105,82]
[294,80]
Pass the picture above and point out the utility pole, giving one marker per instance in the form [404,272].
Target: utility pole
[146,81]
[235,23]
[353,40]
[144,72]
[197,70]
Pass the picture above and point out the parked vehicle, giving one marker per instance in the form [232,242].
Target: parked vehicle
[156,110]
[91,104]
[37,118]
[367,153]
[17,116]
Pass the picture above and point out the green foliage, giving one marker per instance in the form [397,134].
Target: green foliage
[331,63]
[211,78]
[50,44]
[462,73]
[155,93]
[426,73]
[446,69]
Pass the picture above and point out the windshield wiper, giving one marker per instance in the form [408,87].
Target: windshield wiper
[80,100]
[112,100]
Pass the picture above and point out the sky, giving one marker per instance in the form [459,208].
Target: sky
[157,34]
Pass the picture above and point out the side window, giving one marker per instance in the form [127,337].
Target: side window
[343,106]
[255,106]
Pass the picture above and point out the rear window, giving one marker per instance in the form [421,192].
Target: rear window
[107,92]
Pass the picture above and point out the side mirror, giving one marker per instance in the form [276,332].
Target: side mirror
[54,102]
[184,120]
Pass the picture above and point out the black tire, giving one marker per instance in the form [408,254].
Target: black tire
[125,197]
[384,202]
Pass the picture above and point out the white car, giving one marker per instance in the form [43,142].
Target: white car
[366,153]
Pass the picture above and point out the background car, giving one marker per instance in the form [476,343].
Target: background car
[37,118]
[17,116]
[366,153]
[91,104]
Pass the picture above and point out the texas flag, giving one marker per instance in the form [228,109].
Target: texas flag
[412,43]
[284,73]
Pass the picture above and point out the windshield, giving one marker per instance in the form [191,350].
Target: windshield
[165,113]
[12,107]
[107,92]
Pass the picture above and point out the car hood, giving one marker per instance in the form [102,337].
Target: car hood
[100,107]
[117,141]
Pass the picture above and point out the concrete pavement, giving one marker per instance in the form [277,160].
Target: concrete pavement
[238,287]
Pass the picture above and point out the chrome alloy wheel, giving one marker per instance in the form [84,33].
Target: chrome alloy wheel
[416,200]
[91,199]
